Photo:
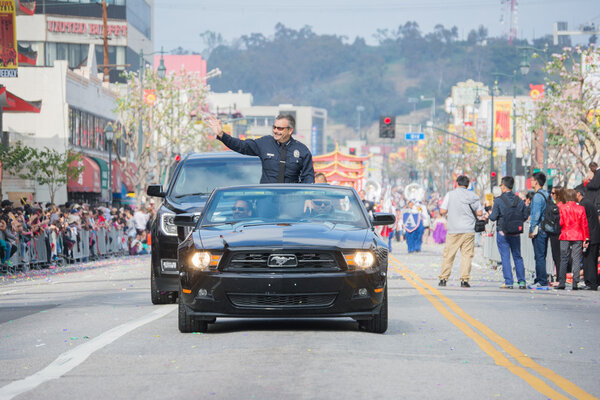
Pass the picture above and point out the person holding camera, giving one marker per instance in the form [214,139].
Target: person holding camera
[463,208]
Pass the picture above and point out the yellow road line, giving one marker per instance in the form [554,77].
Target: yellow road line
[499,358]
[560,381]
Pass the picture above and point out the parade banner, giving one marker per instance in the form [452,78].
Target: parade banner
[502,122]
[8,40]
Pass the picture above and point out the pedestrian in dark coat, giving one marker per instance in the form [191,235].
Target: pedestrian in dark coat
[590,256]
[592,185]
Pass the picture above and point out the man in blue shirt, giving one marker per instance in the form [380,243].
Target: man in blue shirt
[284,159]
[536,233]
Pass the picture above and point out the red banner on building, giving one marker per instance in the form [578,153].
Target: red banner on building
[8,40]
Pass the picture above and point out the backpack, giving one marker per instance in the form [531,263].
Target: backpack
[551,221]
[512,219]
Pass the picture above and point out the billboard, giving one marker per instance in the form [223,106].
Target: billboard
[8,40]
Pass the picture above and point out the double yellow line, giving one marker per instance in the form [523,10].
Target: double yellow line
[485,336]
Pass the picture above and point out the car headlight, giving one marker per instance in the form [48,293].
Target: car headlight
[166,224]
[360,259]
[203,260]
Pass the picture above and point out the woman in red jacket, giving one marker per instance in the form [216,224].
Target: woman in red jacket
[574,237]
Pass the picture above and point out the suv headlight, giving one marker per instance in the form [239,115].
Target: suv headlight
[166,224]
[360,259]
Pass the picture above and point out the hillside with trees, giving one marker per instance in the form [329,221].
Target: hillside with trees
[304,68]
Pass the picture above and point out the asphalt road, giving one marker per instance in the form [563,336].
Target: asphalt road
[90,332]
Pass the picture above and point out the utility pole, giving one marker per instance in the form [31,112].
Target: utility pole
[105,40]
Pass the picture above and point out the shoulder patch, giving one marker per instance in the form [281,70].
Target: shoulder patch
[296,153]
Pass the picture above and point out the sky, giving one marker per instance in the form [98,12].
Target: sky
[180,22]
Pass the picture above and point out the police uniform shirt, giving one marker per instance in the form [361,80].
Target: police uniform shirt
[298,159]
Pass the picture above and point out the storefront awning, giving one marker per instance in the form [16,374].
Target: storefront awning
[88,180]
[124,176]
[103,172]
[11,103]
[26,8]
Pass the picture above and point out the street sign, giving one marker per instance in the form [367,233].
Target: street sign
[414,136]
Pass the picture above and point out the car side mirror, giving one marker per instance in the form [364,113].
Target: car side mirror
[155,191]
[186,219]
[383,219]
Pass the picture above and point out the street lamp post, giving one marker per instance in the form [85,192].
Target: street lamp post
[108,134]
[514,118]
[432,99]
[524,68]
[161,71]
[359,109]
[492,92]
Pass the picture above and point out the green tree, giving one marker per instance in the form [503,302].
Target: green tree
[13,159]
[52,168]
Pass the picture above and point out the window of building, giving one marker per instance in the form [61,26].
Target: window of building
[86,130]
[74,53]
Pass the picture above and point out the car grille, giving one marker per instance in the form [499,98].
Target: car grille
[307,262]
[282,301]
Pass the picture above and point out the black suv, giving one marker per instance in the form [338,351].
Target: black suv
[191,182]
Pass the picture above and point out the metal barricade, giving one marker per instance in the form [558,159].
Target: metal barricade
[43,251]
[492,255]
[39,252]
[101,242]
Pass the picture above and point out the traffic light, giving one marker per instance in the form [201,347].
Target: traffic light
[494,178]
[387,127]
[352,151]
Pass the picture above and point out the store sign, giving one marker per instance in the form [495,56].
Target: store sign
[8,40]
[85,28]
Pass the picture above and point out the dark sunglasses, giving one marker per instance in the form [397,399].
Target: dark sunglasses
[239,209]
[279,128]
[321,203]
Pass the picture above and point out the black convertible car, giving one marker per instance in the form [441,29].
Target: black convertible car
[283,251]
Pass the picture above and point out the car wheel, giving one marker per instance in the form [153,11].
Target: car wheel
[379,323]
[186,323]
[158,296]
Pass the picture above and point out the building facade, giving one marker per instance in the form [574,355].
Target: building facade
[76,107]
[64,30]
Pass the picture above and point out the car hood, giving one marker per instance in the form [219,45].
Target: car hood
[188,206]
[284,236]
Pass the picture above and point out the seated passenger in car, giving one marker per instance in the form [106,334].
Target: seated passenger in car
[241,210]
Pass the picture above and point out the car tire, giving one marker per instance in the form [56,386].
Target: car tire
[186,323]
[379,323]
[158,296]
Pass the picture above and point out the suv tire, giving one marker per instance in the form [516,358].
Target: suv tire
[379,323]
[187,324]
[158,296]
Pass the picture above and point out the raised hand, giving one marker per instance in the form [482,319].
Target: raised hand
[215,125]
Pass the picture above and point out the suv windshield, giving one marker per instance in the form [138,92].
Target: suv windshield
[307,204]
[201,176]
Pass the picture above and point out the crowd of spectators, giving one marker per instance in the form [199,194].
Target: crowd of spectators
[60,226]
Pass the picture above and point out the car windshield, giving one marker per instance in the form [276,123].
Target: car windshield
[307,203]
[201,176]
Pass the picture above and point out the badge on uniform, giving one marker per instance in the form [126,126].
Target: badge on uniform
[296,153]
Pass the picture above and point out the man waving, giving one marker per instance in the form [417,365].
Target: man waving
[284,159]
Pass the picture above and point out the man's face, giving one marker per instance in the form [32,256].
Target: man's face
[322,206]
[362,194]
[241,210]
[282,130]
